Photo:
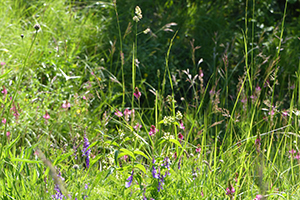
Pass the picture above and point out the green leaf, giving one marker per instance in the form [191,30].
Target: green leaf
[141,167]
[175,142]
[127,152]
[141,153]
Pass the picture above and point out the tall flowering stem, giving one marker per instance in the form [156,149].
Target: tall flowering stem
[86,151]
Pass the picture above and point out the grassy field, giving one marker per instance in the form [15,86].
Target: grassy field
[172,100]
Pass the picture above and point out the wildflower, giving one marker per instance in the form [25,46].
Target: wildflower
[258,197]
[137,126]
[153,130]
[58,193]
[46,116]
[179,163]
[181,125]
[3,121]
[137,93]
[124,158]
[198,150]
[285,113]
[292,151]
[2,63]
[138,12]
[257,142]
[180,136]
[202,193]
[127,113]
[66,105]
[4,91]
[297,156]
[130,178]
[201,73]
[258,89]
[7,134]
[84,97]
[86,151]
[146,31]
[119,113]
[230,190]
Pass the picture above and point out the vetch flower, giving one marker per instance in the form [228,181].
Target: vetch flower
[119,113]
[66,105]
[137,93]
[153,130]
[127,113]
[3,121]
[230,190]
[137,126]
[181,125]
[130,178]
[4,91]
[7,134]
[86,151]
[180,136]
[292,151]
[258,197]
[46,116]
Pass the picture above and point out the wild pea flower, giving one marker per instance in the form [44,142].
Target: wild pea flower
[292,151]
[137,126]
[127,113]
[86,151]
[58,193]
[154,172]
[137,93]
[2,63]
[230,190]
[180,136]
[7,134]
[297,156]
[179,163]
[181,125]
[4,91]
[153,130]
[258,197]
[66,105]
[130,178]
[198,150]
[46,116]
[3,121]
[119,113]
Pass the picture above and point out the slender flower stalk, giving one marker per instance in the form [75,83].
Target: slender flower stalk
[86,151]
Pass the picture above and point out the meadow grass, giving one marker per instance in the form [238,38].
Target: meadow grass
[75,127]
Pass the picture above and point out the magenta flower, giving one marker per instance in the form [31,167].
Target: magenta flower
[127,113]
[285,113]
[137,93]
[2,63]
[202,193]
[84,97]
[181,125]
[198,150]
[4,91]
[297,156]
[180,136]
[153,130]
[258,88]
[137,126]
[230,191]
[3,121]
[258,197]
[7,134]
[119,113]
[292,151]
[201,73]
[46,116]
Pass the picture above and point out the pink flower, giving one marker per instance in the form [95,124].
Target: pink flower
[127,113]
[46,116]
[181,125]
[198,150]
[202,193]
[292,151]
[119,113]
[230,191]
[137,93]
[4,91]
[180,136]
[84,97]
[92,73]
[3,121]
[137,126]
[2,63]
[297,156]
[66,105]
[258,197]
[153,130]
[7,134]
[201,73]
[258,88]
[285,113]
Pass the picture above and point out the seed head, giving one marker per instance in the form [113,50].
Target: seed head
[37,27]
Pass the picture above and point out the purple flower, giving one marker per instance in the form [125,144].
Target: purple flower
[130,178]
[180,136]
[153,130]
[230,191]
[137,93]
[86,151]
[292,151]
[58,193]
[179,163]
[181,125]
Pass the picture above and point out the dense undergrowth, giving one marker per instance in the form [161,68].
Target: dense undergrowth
[149,100]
